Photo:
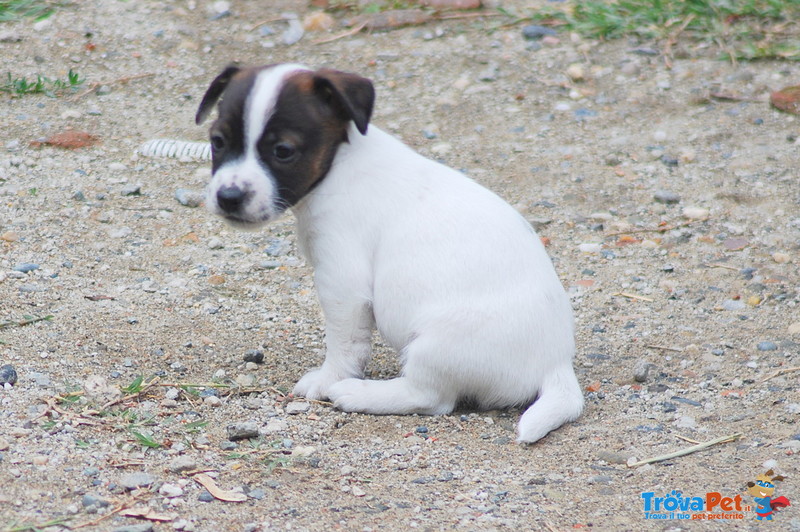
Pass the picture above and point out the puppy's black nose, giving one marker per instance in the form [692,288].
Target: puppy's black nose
[231,199]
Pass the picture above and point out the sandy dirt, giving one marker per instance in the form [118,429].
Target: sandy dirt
[669,199]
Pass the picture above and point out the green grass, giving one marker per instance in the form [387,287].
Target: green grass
[41,85]
[740,29]
[11,10]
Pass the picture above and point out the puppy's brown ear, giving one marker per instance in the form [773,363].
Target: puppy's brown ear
[214,91]
[352,95]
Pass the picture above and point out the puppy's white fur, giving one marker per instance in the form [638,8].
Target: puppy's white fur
[452,277]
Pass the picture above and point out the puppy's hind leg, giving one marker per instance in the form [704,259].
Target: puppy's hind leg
[560,400]
[401,395]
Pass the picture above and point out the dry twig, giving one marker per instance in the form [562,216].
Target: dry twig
[688,450]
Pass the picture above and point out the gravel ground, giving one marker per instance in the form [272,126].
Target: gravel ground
[671,214]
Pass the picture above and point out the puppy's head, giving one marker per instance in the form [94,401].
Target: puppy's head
[277,134]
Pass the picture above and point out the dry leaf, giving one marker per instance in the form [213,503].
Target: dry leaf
[218,493]
[787,99]
[394,18]
[69,140]
[145,512]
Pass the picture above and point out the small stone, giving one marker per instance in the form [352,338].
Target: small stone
[181,464]
[590,247]
[103,90]
[25,267]
[256,494]
[612,457]
[576,72]
[9,236]
[117,167]
[695,213]
[215,243]
[132,189]
[666,197]
[170,490]
[254,355]
[357,491]
[189,198]
[205,497]
[136,480]
[733,304]
[781,258]
[144,527]
[297,407]
[794,328]
[534,32]
[686,422]
[8,375]
[242,431]
[640,370]
[212,400]
[4,445]
[767,346]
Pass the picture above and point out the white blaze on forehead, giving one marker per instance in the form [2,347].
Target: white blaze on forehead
[261,102]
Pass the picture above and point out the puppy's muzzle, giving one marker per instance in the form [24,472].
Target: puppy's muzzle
[232,199]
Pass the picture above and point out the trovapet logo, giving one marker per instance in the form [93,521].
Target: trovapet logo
[713,505]
[674,505]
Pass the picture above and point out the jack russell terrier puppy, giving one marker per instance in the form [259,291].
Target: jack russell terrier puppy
[451,275]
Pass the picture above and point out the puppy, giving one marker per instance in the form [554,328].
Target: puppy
[452,277]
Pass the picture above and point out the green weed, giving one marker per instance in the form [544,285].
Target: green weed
[741,29]
[42,85]
[11,10]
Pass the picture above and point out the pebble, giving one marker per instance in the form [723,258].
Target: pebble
[242,431]
[535,32]
[189,198]
[640,370]
[294,32]
[576,72]
[666,197]
[93,500]
[794,328]
[297,407]
[25,267]
[8,375]
[132,189]
[136,480]
[767,346]
[590,247]
[733,304]
[212,400]
[182,463]
[781,258]
[117,167]
[695,213]
[215,243]
[257,494]
[144,527]
[4,445]
[254,355]
[686,422]
[205,497]
[170,490]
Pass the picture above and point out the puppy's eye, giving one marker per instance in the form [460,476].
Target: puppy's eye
[217,142]
[284,152]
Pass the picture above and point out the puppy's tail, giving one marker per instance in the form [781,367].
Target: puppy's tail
[560,400]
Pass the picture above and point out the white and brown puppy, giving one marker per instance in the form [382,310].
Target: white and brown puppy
[451,275]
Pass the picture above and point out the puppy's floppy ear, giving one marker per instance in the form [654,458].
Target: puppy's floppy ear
[214,91]
[353,95]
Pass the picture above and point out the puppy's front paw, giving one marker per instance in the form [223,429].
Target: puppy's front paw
[350,395]
[316,384]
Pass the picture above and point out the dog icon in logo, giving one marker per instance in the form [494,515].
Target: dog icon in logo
[762,490]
